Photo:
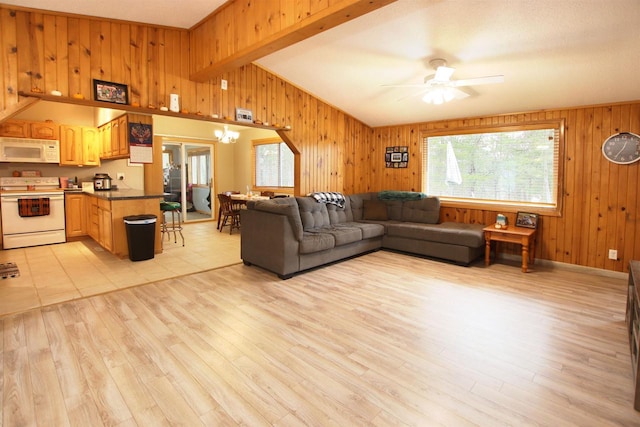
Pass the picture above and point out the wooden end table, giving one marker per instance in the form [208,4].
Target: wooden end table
[519,235]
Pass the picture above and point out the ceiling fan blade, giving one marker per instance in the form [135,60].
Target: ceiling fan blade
[443,74]
[479,81]
[413,85]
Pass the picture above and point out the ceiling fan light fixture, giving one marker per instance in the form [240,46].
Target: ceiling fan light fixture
[227,136]
[439,96]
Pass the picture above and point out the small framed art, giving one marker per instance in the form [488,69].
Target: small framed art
[527,220]
[110,92]
[396,157]
[243,115]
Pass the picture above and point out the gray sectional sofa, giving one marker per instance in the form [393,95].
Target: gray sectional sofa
[293,234]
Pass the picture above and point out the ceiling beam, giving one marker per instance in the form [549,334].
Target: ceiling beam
[242,32]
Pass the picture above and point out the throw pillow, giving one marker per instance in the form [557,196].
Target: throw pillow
[374,210]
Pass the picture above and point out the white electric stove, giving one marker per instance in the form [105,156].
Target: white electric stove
[32,211]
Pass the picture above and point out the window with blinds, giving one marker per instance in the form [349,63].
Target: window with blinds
[272,164]
[511,165]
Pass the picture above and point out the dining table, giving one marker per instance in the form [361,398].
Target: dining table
[241,201]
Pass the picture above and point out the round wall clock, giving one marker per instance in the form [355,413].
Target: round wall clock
[622,148]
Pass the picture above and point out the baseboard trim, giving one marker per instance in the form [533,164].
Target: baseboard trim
[571,267]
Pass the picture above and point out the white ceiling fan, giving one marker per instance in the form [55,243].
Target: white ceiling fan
[438,88]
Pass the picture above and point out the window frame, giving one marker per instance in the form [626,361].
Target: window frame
[483,204]
[268,141]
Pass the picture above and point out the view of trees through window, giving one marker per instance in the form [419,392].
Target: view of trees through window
[273,165]
[507,166]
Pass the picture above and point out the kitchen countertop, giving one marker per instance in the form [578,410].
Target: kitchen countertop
[124,194]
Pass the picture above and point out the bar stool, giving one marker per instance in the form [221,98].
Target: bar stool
[169,227]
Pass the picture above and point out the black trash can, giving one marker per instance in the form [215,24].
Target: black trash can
[141,236]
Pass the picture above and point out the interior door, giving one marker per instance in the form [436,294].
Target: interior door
[198,195]
[188,172]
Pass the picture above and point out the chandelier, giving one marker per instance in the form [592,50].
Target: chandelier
[227,136]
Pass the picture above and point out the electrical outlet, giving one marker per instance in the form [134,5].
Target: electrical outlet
[120,176]
[613,254]
[223,84]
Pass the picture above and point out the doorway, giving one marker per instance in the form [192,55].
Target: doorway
[188,178]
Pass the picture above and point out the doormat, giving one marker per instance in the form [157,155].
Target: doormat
[9,269]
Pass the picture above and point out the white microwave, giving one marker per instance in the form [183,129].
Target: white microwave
[29,150]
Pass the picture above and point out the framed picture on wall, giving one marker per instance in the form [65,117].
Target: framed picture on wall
[396,157]
[110,92]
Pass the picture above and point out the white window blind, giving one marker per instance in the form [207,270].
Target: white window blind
[518,165]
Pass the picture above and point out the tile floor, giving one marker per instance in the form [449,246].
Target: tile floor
[54,273]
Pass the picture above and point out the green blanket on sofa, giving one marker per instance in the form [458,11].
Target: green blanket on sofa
[400,195]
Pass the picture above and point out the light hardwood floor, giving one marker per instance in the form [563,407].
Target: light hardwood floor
[381,340]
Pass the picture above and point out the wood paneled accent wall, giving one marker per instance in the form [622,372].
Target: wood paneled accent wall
[600,198]
[240,32]
[45,51]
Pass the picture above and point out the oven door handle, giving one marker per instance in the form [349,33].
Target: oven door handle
[16,197]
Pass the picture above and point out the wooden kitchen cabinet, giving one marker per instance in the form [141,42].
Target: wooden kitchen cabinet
[79,146]
[114,138]
[29,129]
[106,221]
[75,209]
[105,226]
[15,129]
[123,137]
[91,146]
[44,130]
[100,222]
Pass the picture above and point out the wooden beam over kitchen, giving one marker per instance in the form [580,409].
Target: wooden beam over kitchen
[241,32]
[12,110]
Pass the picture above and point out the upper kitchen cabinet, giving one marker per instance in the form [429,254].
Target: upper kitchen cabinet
[79,146]
[29,129]
[114,138]
[44,130]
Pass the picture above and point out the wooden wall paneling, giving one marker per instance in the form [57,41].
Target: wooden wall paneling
[622,191]
[340,147]
[106,62]
[281,101]
[74,56]
[573,239]
[153,66]
[116,73]
[270,98]
[161,70]
[612,191]
[139,84]
[36,39]
[23,49]
[571,188]
[627,197]
[224,97]
[9,58]
[86,84]
[171,63]
[50,34]
[593,184]
[95,52]
[322,183]
[311,149]
[187,87]
[61,55]
[603,208]
[259,87]
[584,160]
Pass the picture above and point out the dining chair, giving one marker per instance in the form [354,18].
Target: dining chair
[229,213]
[228,193]
[269,194]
